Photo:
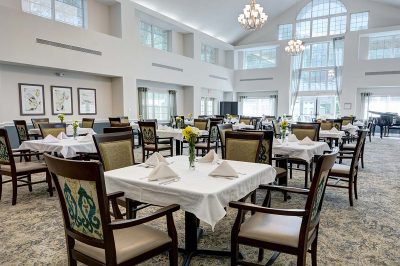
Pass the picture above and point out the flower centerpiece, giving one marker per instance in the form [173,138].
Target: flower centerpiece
[284,126]
[179,122]
[191,134]
[75,126]
[229,117]
[61,117]
[140,118]
[190,116]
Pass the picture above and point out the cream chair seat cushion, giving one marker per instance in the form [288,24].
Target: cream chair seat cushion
[129,243]
[160,146]
[25,167]
[280,170]
[340,169]
[350,146]
[203,145]
[271,228]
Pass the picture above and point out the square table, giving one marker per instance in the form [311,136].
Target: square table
[327,134]
[199,195]
[68,148]
[239,126]
[177,135]
[69,131]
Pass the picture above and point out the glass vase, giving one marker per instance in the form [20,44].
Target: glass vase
[283,134]
[192,155]
[75,134]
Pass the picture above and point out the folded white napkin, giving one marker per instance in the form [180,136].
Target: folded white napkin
[277,142]
[62,135]
[293,138]
[50,139]
[358,123]
[210,157]
[334,130]
[306,141]
[224,170]
[155,159]
[162,171]
[87,138]
[243,123]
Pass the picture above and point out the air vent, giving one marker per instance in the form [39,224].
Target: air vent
[167,67]
[217,77]
[382,73]
[69,47]
[256,79]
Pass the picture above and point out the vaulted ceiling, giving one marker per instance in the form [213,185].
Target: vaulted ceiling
[218,18]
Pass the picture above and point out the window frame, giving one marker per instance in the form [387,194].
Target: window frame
[357,13]
[153,33]
[382,53]
[260,50]
[205,104]
[151,109]
[282,29]
[206,54]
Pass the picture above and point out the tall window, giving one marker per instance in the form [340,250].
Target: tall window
[321,18]
[209,54]
[66,11]
[382,103]
[207,106]
[359,21]
[384,47]
[285,32]
[261,58]
[259,106]
[154,36]
[158,105]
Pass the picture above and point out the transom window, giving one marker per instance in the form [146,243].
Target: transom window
[209,54]
[153,36]
[285,32]
[359,21]
[66,11]
[321,18]
[260,58]
[207,106]
[384,47]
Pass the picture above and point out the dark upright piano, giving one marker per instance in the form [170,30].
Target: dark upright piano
[385,121]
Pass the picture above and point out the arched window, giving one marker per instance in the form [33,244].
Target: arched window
[321,18]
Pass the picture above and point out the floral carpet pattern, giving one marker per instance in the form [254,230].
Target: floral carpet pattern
[31,232]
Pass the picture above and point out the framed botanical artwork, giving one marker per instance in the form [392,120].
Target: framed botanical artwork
[31,99]
[61,100]
[87,101]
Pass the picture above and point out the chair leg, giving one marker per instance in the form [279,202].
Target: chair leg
[14,188]
[362,159]
[260,254]
[306,176]
[314,252]
[234,252]
[29,178]
[291,170]
[143,155]
[173,256]
[355,187]
[301,259]
[49,183]
[351,191]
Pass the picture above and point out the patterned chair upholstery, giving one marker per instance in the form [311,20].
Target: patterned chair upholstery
[22,130]
[246,120]
[337,123]
[21,172]
[277,128]
[150,139]
[242,146]
[302,130]
[292,231]
[124,120]
[348,120]
[326,125]
[222,129]
[52,129]
[210,141]
[87,122]
[200,123]
[92,238]
[37,121]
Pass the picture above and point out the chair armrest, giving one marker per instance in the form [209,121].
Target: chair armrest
[165,138]
[285,189]
[115,195]
[346,151]
[112,198]
[133,222]
[251,207]
[280,158]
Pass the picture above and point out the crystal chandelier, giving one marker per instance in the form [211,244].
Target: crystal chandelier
[295,47]
[253,17]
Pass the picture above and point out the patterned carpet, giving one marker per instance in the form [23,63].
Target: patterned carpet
[31,233]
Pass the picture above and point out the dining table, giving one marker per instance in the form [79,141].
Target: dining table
[297,150]
[241,126]
[69,131]
[176,134]
[332,136]
[68,148]
[200,196]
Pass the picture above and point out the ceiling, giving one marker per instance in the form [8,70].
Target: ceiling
[216,17]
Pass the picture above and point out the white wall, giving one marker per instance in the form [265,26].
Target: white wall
[11,75]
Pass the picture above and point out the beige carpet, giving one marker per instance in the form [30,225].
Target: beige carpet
[31,233]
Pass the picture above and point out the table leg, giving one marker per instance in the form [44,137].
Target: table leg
[178,147]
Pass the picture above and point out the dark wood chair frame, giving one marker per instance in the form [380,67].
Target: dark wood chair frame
[245,136]
[91,120]
[207,138]
[93,171]
[158,139]
[37,121]
[28,137]
[52,125]
[306,240]
[221,127]
[275,124]
[24,177]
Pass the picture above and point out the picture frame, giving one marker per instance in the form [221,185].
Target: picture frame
[87,101]
[347,106]
[61,100]
[31,99]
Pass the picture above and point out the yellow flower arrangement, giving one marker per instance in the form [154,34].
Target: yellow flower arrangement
[190,115]
[284,124]
[61,117]
[190,133]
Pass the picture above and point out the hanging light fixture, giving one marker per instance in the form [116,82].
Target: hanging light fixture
[253,17]
[295,47]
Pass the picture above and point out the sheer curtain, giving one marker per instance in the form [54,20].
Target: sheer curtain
[143,102]
[172,103]
[338,57]
[365,100]
[295,77]
[274,99]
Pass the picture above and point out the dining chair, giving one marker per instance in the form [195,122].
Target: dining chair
[150,140]
[116,150]
[222,129]
[326,124]
[276,126]
[246,119]
[200,123]
[87,122]
[52,129]
[302,130]
[124,120]
[20,173]
[348,174]
[23,135]
[291,231]
[91,236]
[220,117]
[37,121]
[337,123]
[347,120]
[107,130]
[242,146]
[210,141]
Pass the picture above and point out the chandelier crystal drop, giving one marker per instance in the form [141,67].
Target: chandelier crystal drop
[295,47]
[253,17]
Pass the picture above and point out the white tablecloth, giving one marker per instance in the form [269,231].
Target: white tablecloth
[175,133]
[70,132]
[296,151]
[66,147]
[135,126]
[195,192]
[329,134]
[352,129]
[238,126]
